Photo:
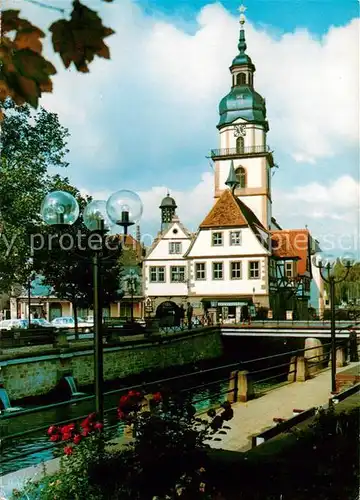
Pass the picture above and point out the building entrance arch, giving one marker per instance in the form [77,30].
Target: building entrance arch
[168,313]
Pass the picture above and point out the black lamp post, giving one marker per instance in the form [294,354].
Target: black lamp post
[132,280]
[332,281]
[123,208]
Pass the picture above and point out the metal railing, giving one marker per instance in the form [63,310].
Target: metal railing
[183,384]
[248,150]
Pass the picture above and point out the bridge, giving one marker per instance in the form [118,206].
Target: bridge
[289,329]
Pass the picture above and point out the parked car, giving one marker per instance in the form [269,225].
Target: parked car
[69,322]
[11,324]
[41,322]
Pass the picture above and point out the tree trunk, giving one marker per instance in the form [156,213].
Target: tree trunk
[76,321]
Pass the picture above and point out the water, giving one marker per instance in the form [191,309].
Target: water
[72,384]
[5,399]
[204,398]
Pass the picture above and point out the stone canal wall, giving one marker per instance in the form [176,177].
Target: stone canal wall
[37,371]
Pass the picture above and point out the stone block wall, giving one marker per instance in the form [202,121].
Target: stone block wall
[36,376]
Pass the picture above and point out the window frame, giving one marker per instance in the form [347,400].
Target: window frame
[240,269]
[240,145]
[178,272]
[213,237]
[174,243]
[213,270]
[241,177]
[230,238]
[291,269]
[196,270]
[249,269]
[157,268]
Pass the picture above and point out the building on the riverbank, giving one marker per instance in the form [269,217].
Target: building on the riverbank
[240,255]
[45,304]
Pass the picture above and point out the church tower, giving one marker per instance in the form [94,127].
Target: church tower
[168,208]
[242,129]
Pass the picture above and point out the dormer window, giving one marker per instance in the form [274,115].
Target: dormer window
[241,79]
[241,177]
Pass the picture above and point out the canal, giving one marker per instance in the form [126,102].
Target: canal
[205,385]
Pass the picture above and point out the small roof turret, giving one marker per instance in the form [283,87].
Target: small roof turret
[168,201]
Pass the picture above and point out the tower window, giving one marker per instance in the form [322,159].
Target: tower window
[240,145]
[241,79]
[241,177]
[175,247]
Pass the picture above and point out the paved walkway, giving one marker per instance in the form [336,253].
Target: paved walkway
[255,416]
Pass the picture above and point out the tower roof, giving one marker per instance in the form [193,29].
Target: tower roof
[242,101]
[168,201]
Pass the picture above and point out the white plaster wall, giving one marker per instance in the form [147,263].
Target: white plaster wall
[254,170]
[203,244]
[227,286]
[161,250]
[168,288]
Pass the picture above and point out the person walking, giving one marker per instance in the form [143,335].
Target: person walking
[245,317]
[182,314]
[189,313]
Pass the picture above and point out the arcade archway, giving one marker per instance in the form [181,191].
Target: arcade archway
[168,313]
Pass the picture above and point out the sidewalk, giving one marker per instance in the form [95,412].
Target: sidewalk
[257,415]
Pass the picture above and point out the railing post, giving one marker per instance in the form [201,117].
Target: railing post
[245,386]
[233,387]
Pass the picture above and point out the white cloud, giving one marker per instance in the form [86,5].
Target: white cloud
[172,81]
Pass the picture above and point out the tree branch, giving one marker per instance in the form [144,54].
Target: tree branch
[46,6]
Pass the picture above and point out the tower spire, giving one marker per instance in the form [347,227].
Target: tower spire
[242,42]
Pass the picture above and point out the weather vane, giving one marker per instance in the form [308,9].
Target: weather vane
[242,9]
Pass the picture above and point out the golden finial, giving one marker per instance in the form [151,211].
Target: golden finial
[242,9]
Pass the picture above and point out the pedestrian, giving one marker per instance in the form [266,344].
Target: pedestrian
[245,317]
[182,314]
[189,313]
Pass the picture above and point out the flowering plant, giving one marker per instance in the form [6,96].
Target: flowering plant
[73,434]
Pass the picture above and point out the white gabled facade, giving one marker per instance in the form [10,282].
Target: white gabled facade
[166,274]
[225,270]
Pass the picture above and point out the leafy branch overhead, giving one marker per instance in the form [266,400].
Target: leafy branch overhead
[25,73]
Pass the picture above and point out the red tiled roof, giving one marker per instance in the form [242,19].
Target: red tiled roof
[229,211]
[291,244]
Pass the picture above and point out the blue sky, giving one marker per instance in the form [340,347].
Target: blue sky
[146,119]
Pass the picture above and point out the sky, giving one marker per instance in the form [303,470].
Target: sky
[146,119]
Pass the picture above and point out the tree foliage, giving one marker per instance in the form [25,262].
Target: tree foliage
[64,259]
[25,73]
[348,290]
[31,143]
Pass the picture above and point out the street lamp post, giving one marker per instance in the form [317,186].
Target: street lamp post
[123,208]
[132,280]
[332,281]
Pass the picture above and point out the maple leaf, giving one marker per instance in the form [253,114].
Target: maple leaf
[80,39]
[25,73]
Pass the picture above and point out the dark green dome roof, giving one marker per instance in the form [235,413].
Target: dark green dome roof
[242,59]
[242,102]
[168,202]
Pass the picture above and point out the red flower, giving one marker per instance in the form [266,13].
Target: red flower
[55,437]
[92,416]
[99,426]
[121,414]
[68,429]
[86,431]
[68,450]
[85,424]
[77,439]
[157,397]
[53,429]
[124,400]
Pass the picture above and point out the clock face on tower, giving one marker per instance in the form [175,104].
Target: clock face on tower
[240,130]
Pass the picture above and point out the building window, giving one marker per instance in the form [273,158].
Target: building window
[177,274]
[288,269]
[241,79]
[200,271]
[254,269]
[235,270]
[235,238]
[240,145]
[175,247]
[217,239]
[218,273]
[241,177]
[272,268]
[157,274]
